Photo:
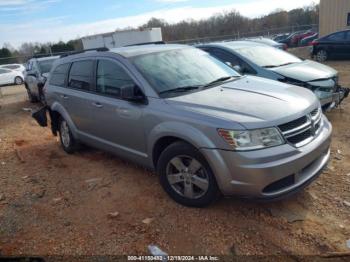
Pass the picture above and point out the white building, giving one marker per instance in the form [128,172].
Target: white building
[122,38]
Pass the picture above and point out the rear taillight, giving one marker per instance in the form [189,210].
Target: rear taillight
[313,43]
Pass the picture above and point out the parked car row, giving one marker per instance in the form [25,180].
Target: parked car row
[295,39]
[204,127]
[11,74]
[335,45]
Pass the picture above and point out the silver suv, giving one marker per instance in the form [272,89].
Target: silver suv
[203,127]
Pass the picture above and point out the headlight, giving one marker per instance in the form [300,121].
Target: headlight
[252,139]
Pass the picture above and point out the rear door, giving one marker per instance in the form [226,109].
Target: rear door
[77,98]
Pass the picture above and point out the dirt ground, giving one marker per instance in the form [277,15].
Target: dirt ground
[52,203]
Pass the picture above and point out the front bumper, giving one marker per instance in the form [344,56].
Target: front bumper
[330,100]
[273,172]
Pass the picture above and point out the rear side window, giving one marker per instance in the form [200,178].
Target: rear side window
[111,78]
[336,37]
[80,76]
[59,75]
[347,36]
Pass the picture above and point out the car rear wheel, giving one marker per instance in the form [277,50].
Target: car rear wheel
[68,142]
[186,176]
[18,80]
[321,56]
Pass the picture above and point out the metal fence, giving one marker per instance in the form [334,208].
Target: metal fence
[269,33]
[239,35]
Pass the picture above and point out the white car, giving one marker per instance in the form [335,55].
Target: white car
[15,67]
[9,77]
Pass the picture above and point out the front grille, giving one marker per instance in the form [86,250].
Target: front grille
[315,112]
[300,137]
[293,124]
[301,131]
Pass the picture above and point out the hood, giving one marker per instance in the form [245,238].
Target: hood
[250,101]
[306,71]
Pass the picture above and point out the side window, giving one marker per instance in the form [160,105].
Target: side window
[11,67]
[81,74]
[59,75]
[233,60]
[111,78]
[336,37]
[225,57]
[347,36]
[29,66]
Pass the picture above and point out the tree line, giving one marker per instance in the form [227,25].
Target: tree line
[221,24]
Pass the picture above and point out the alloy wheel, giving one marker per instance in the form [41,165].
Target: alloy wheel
[65,136]
[321,56]
[187,177]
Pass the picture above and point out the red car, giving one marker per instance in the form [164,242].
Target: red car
[298,37]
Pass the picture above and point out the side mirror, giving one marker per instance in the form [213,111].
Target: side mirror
[238,68]
[229,64]
[133,93]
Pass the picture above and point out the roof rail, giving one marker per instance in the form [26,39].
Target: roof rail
[41,55]
[148,43]
[99,49]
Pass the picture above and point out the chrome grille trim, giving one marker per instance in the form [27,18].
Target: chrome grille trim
[305,132]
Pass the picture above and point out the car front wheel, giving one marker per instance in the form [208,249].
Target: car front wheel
[68,142]
[186,176]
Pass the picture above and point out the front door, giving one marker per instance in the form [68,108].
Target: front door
[117,122]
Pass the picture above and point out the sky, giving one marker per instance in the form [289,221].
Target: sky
[54,20]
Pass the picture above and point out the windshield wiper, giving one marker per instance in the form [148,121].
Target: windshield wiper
[181,89]
[219,80]
[273,66]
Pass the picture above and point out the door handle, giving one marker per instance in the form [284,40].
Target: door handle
[97,104]
[64,96]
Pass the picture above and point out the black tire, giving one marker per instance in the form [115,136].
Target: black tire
[178,149]
[68,142]
[32,98]
[18,80]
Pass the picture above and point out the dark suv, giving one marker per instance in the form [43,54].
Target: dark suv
[335,45]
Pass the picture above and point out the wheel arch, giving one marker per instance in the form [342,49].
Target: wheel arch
[57,111]
[167,133]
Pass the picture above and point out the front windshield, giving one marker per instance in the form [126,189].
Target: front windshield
[46,65]
[168,70]
[266,56]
